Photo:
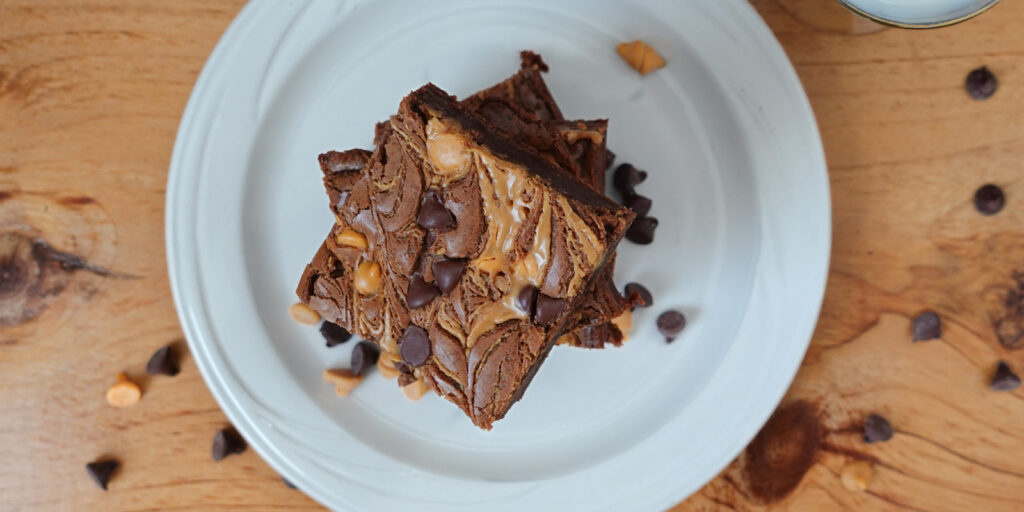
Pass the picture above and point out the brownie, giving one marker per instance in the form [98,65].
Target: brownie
[459,251]
[526,89]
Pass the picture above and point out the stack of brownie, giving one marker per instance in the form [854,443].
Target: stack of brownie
[474,237]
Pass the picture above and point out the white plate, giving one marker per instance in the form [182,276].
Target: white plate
[739,183]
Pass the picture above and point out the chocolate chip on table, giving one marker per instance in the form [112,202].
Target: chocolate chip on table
[527,299]
[433,214]
[876,429]
[640,205]
[927,326]
[414,345]
[989,199]
[981,84]
[547,309]
[645,294]
[225,443]
[671,323]
[420,293]
[447,273]
[364,356]
[1004,379]
[642,230]
[334,334]
[627,177]
[163,362]
[288,483]
[101,471]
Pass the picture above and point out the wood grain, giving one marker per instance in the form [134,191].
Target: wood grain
[91,93]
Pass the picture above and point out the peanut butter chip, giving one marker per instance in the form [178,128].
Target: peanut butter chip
[367,278]
[857,475]
[352,239]
[124,392]
[344,380]
[387,367]
[640,56]
[303,314]
[625,324]
[415,390]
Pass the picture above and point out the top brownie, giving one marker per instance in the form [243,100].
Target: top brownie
[463,254]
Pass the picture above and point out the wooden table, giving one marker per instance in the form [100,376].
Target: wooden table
[91,93]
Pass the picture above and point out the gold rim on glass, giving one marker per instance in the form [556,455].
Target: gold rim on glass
[938,24]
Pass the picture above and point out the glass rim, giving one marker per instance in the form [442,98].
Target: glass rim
[902,24]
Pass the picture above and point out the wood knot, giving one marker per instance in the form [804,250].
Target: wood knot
[782,452]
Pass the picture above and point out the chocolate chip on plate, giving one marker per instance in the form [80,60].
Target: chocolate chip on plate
[989,199]
[101,471]
[163,362]
[640,205]
[447,273]
[981,84]
[671,323]
[609,158]
[927,326]
[364,356]
[225,443]
[527,299]
[420,293]
[433,214]
[627,177]
[1004,379]
[414,345]
[334,334]
[642,230]
[876,429]
[547,309]
[642,291]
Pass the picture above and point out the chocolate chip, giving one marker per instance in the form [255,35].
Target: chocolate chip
[288,483]
[433,214]
[877,429]
[927,326]
[420,293]
[527,299]
[414,345]
[405,379]
[334,334]
[639,204]
[364,356]
[547,309]
[101,471]
[609,158]
[981,84]
[989,199]
[227,442]
[645,294]
[671,323]
[447,273]
[627,177]
[1004,378]
[642,230]
[163,362]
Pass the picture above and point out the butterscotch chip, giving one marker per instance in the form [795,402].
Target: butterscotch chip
[124,392]
[367,278]
[352,239]
[415,390]
[857,475]
[344,380]
[303,314]
[640,56]
[387,367]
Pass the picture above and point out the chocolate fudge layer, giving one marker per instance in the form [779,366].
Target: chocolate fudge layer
[462,253]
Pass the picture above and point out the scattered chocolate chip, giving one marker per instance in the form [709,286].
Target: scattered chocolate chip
[364,356]
[433,214]
[1004,378]
[876,429]
[609,158]
[334,334]
[420,293]
[640,205]
[547,309]
[981,84]
[989,199]
[414,345]
[645,294]
[527,299]
[101,471]
[627,177]
[447,273]
[288,483]
[163,362]
[927,326]
[642,230]
[671,323]
[227,442]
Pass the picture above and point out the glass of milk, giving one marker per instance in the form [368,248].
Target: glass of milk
[918,13]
